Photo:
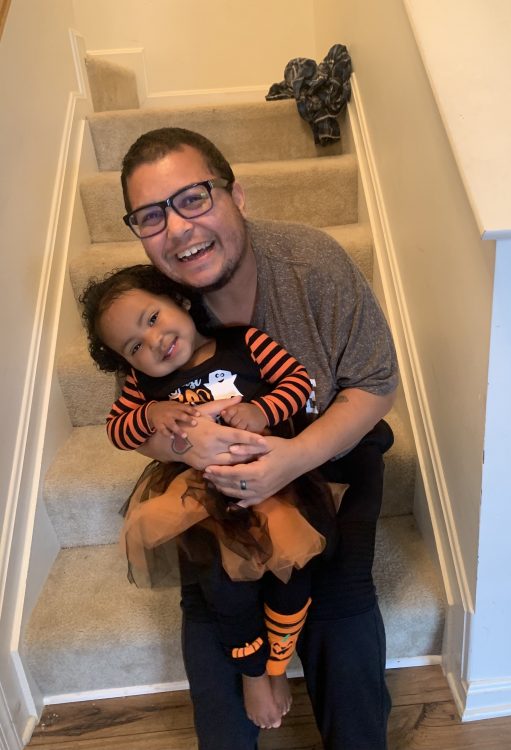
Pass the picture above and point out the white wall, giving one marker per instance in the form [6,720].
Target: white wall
[490,655]
[466,50]
[203,45]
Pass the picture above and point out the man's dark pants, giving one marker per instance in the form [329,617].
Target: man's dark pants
[342,647]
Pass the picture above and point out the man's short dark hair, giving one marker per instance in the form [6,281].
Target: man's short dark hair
[156,144]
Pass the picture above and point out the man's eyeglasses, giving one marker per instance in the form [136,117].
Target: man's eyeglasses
[189,203]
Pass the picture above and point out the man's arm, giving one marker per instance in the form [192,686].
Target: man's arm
[339,429]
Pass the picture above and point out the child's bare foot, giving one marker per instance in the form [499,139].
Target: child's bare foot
[260,703]
[281,693]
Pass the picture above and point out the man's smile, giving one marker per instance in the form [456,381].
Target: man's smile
[195,251]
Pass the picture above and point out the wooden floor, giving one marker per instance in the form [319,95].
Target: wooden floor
[423,716]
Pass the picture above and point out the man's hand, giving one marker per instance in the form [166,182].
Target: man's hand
[262,477]
[339,429]
[207,442]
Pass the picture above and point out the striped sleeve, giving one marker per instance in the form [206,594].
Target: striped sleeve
[278,367]
[127,425]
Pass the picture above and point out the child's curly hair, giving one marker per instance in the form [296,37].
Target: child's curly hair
[98,295]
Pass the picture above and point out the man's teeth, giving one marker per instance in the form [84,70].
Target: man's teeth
[193,250]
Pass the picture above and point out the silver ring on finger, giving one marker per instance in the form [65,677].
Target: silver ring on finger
[243,485]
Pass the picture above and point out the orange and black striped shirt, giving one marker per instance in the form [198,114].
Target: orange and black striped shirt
[246,362]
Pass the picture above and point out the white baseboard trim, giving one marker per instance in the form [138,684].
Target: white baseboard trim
[197,97]
[404,662]
[474,699]
[169,687]
[487,699]
[115,692]
[459,599]
[26,474]
[481,699]
[20,701]
[407,662]
[9,737]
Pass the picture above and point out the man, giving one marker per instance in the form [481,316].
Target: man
[299,286]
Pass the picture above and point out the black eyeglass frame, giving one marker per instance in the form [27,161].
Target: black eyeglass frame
[220,182]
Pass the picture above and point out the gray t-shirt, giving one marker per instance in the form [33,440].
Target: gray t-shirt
[313,300]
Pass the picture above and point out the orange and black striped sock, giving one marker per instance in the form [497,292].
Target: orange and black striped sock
[248,649]
[283,632]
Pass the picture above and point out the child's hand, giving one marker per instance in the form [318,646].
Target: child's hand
[167,417]
[245,417]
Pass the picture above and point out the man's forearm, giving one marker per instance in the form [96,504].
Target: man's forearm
[351,416]
[340,428]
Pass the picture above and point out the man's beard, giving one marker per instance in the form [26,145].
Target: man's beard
[229,271]
[222,281]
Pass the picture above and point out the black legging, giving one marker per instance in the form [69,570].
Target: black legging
[342,646]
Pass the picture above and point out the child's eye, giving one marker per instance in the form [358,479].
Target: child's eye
[135,349]
[153,319]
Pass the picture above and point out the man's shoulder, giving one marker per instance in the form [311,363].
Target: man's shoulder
[290,242]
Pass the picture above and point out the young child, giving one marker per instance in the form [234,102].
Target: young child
[139,326]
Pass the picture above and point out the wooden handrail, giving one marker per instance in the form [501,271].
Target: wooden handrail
[4,7]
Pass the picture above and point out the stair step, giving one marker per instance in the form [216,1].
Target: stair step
[83,505]
[92,630]
[112,86]
[102,257]
[88,392]
[85,486]
[243,132]
[324,190]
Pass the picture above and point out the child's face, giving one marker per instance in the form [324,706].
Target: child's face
[153,333]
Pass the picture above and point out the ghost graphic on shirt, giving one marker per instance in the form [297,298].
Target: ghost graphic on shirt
[221,384]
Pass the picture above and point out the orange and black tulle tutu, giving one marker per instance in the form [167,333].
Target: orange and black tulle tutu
[169,501]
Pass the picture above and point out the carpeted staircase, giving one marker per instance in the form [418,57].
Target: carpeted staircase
[91,630]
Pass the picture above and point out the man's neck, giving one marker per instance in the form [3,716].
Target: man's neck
[234,303]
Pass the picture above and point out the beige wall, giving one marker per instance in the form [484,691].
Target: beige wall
[37,76]
[203,45]
[478,121]
[445,270]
